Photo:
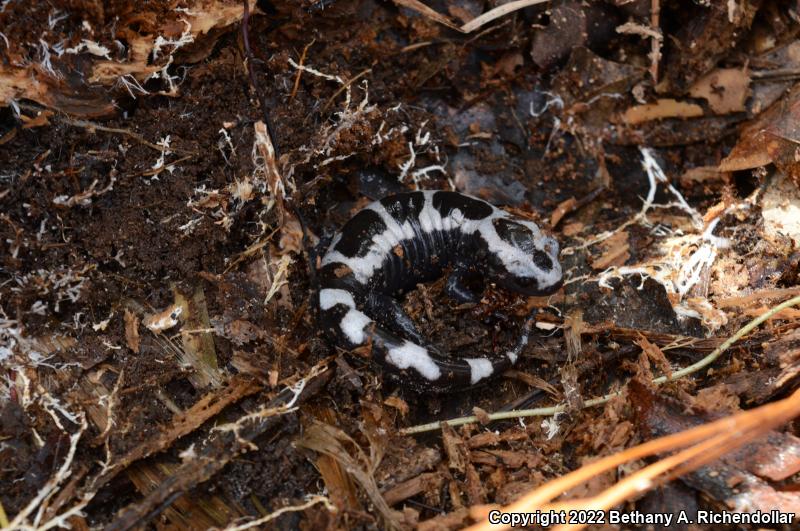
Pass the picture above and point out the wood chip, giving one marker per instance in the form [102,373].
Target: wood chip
[662,108]
[414,486]
[132,331]
[616,253]
[455,449]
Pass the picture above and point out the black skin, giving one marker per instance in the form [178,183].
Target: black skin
[419,260]
[390,314]
[456,286]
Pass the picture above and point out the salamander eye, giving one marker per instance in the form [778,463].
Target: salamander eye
[515,234]
[551,246]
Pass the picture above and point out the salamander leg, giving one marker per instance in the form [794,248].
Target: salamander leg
[389,312]
[456,287]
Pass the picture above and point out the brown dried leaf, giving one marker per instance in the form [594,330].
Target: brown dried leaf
[725,89]
[655,354]
[399,404]
[773,137]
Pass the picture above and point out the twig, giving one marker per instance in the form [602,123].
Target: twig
[655,44]
[475,23]
[733,339]
[312,500]
[552,410]
[342,88]
[262,100]
[91,126]
[497,12]
[300,71]
[315,72]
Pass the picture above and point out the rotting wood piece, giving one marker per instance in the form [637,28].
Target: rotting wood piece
[181,425]
[215,454]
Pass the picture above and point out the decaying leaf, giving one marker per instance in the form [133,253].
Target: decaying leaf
[266,168]
[198,344]
[725,89]
[773,137]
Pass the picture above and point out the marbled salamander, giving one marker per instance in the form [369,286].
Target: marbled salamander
[393,244]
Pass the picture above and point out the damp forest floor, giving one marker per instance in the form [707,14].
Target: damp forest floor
[171,170]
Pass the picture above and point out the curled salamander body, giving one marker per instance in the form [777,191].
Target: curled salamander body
[391,245]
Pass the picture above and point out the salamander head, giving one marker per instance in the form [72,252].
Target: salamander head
[521,258]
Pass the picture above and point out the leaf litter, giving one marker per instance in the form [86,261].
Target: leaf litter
[161,208]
